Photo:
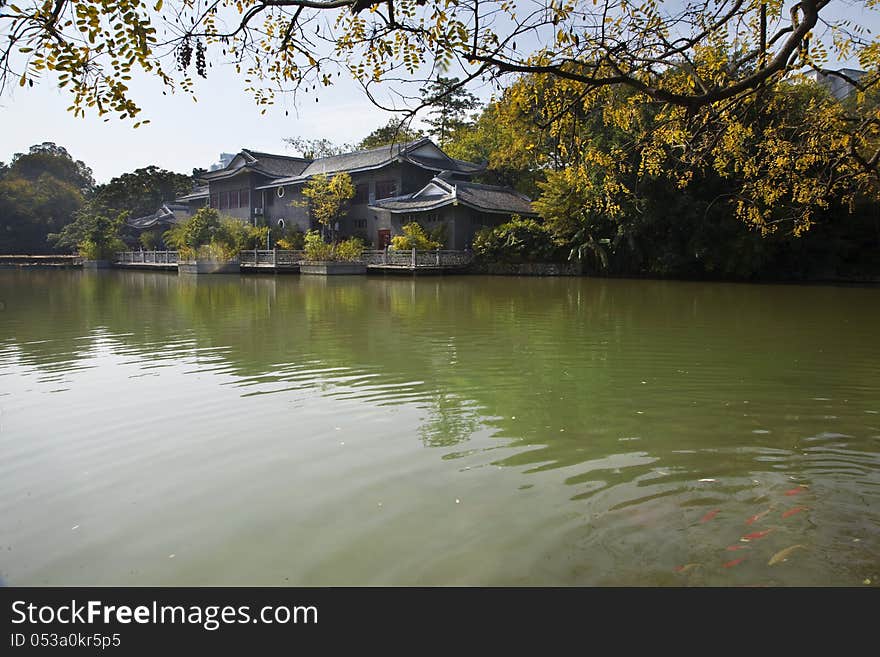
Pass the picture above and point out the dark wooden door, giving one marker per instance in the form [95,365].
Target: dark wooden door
[384,238]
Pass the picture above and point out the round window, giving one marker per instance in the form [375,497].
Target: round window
[281,223]
[280,192]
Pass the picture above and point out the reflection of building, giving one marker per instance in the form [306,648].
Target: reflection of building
[839,86]
[394,184]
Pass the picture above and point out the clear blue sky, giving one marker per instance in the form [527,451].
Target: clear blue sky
[184,134]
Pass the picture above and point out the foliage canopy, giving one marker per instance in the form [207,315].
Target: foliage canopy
[414,237]
[327,197]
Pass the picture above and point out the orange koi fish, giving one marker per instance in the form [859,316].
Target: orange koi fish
[734,548]
[731,564]
[756,535]
[710,515]
[795,491]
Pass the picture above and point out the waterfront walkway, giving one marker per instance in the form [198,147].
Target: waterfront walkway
[282,261]
[146,260]
[40,261]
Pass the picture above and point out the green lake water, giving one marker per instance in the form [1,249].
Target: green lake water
[226,430]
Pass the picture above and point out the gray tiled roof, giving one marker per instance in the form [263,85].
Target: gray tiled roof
[410,204]
[488,198]
[445,164]
[194,195]
[374,158]
[279,165]
[268,164]
[366,159]
[169,213]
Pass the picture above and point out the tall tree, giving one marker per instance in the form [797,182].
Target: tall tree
[393,132]
[318,147]
[94,235]
[327,199]
[39,193]
[450,107]
[140,192]
[516,150]
[49,158]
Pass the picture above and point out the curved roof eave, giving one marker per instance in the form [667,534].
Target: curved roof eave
[433,206]
[295,180]
[453,201]
[223,174]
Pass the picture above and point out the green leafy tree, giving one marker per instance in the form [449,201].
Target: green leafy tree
[393,132]
[150,239]
[95,236]
[327,198]
[414,237]
[196,232]
[516,150]
[350,250]
[317,147]
[316,248]
[233,236]
[49,158]
[207,235]
[142,191]
[519,240]
[450,106]
[293,239]
[439,234]
[40,192]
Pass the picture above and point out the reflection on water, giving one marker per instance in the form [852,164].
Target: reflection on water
[157,429]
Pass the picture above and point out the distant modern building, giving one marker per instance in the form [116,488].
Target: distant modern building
[839,86]
[225,159]
[394,185]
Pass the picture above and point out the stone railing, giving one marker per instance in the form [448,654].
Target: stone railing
[270,257]
[409,258]
[147,257]
[413,258]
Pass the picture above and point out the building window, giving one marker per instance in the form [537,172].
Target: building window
[244,198]
[233,199]
[386,188]
[361,193]
[215,201]
[423,217]
[360,223]
[280,192]
[224,200]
